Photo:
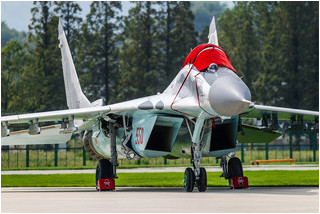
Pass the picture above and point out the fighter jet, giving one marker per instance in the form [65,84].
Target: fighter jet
[205,102]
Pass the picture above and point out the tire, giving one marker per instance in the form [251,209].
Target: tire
[189,179]
[103,170]
[234,168]
[202,183]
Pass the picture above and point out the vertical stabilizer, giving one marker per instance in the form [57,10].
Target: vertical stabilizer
[213,37]
[74,94]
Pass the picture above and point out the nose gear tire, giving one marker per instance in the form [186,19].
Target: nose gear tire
[202,183]
[189,179]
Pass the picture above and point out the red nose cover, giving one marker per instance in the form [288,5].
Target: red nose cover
[204,55]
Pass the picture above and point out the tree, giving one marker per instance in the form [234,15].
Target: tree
[184,34]
[14,62]
[176,36]
[203,12]
[276,46]
[45,73]
[141,71]
[238,38]
[8,34]
[99,49]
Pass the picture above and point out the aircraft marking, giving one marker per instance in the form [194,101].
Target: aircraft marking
[139,136]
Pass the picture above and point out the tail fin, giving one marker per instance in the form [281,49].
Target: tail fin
[213,37]
[74,94]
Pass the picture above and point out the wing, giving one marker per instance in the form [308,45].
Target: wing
[260,111]
[270,128]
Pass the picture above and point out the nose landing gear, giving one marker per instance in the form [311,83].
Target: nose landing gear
[190,180]
[199,174]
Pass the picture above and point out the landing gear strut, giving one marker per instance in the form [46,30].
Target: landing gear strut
[199,174]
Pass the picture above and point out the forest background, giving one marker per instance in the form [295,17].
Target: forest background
[274,46]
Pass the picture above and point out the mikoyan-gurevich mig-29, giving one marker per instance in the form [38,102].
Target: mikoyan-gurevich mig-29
[206,101]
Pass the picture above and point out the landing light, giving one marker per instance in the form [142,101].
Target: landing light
[231,154]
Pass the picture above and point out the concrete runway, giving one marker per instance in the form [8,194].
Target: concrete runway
[173,200]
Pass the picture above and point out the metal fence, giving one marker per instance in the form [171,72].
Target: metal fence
[52,155]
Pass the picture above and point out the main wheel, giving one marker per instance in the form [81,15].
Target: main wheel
[189,179]
[234,168]
[202,183]
[103,170]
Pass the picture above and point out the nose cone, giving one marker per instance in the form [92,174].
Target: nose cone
[229,96]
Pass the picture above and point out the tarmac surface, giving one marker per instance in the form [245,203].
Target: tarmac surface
[167,169]
[173,200]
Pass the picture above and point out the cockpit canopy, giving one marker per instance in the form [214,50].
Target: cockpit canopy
[204,55]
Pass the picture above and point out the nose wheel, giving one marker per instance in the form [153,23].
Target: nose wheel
[202,182]
[190,180]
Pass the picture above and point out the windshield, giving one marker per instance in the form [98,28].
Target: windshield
[210,76]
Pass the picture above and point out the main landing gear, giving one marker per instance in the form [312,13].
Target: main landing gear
[104,176]
[106,170]
[233,172]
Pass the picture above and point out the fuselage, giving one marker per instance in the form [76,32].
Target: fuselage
[216,95]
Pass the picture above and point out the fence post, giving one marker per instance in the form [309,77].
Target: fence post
[165,161]
[290,144]
[84,156]
[17,157]
[56,155]
[267,151]
[313,140]
[8,157]
[27,156]
[242,152]
[139,162]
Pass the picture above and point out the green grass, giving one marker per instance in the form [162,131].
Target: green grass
[166,179]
